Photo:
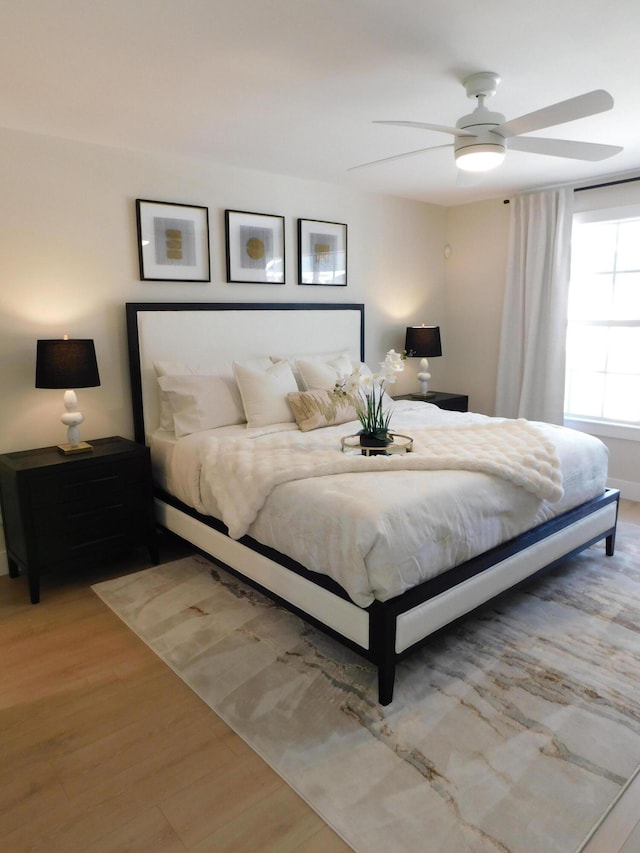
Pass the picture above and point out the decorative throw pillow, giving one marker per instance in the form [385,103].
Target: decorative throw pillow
[321,408]
[264,393]
[323,375]
[201,402]
[341,357]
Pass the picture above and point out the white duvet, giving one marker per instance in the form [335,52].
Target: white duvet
[381,525]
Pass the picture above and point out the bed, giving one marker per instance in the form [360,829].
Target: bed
[380,552]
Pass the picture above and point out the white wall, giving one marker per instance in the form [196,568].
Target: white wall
[69,263]
[475,277]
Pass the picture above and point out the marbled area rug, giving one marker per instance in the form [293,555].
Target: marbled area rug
[511,732]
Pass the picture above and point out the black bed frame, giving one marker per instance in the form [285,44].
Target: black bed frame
[383,616]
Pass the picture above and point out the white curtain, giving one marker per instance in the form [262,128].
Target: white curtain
[534,320]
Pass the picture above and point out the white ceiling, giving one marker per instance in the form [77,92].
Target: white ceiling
[292,86]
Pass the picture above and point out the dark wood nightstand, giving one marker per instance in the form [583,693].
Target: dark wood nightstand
[451,402]
[71,511]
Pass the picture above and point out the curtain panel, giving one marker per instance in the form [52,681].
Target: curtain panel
[531,365]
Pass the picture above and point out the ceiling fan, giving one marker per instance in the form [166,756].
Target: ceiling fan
[481,139]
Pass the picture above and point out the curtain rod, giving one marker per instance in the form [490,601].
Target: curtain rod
[606,184]
[597,186]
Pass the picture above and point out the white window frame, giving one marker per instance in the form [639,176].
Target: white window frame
[602,426]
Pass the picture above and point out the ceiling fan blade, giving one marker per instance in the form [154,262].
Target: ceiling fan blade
[563,148]
[442,128]
[397,157]
[581,106]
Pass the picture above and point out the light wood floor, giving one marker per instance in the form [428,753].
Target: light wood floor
[103,748]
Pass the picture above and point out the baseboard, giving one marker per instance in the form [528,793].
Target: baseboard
[629,490]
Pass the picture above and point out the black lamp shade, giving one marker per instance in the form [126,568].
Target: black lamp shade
[66,364]
[423,341]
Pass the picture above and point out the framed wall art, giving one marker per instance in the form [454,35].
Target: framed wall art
[173,241]
[322,252]
[255,247]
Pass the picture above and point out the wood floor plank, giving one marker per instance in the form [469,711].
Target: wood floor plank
[127,747]
[149,832]
[23,793]
[279,821]
[60,725]
[220,798]
[324,840]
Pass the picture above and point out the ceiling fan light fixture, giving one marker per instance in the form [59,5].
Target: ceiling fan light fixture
[480,158]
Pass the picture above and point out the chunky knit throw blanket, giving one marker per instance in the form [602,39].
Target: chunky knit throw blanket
[241,472]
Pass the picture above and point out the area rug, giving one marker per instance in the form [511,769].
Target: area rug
[513,731]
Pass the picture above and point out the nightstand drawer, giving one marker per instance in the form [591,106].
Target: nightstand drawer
[85,534]
[94,486]
[73,524]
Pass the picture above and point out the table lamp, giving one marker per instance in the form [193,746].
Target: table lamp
[423,342]
[68,364]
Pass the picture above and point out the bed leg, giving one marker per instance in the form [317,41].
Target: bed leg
[610,544]
[386,678]
[382,640]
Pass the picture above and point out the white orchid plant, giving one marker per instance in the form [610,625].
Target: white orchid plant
[367,389]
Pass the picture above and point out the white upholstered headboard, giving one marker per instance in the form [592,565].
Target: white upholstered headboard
[216,333]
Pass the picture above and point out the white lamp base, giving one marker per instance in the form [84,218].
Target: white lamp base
[72,419]
[424,376]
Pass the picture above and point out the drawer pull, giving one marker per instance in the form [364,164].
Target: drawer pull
[75,516]
[109,478]
[100,540]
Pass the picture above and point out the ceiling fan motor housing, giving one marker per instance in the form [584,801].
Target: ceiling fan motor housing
[481,123]
[485,149]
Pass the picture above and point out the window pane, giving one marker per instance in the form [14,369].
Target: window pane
[628,254]
[624,350]
[591,297]
[593,246]
[626,296]
[585,393]
[587,347]
[622,398]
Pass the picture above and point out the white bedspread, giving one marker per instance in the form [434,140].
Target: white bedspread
[379,534]
[241,473]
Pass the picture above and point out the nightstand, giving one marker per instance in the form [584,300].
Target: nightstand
[72,511]
[451,402]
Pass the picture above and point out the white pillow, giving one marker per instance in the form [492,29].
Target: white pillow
[201,402]
[178,368]
[264,392]
[168,368]
[322,375]
[308,357]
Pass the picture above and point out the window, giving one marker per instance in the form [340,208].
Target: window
[603,336]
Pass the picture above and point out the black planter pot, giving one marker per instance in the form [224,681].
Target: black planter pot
[374,445]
